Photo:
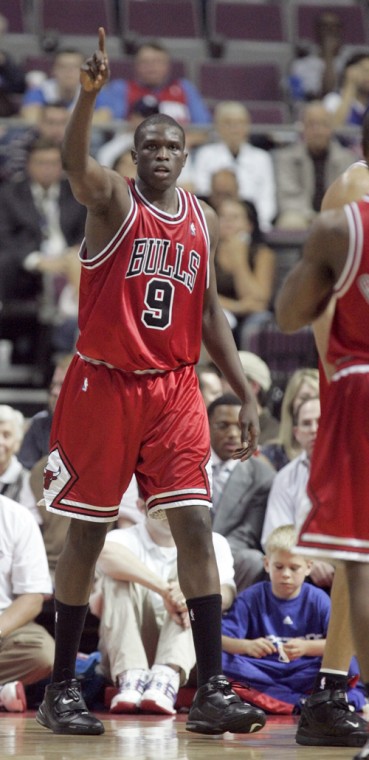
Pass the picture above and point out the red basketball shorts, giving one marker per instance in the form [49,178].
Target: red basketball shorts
[109,424]
[337,525]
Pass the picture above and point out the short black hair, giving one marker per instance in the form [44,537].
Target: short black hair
[227,399]
[157,118]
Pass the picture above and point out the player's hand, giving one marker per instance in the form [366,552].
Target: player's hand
[95,71]
[250,430]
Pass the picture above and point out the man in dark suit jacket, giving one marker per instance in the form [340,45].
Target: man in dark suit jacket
[240,491]
[25,227]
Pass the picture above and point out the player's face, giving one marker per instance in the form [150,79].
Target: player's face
[160,156]
[287,573]
[225,432]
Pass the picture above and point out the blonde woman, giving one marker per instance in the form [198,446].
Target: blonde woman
[303,384]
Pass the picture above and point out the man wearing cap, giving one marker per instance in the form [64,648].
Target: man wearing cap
[259,377]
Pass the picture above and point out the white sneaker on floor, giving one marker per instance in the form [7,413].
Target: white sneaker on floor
[13,697]
[161,691]
[131,688]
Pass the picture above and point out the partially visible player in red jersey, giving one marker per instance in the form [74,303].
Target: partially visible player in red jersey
[326,717]
[131,401]
[335,264]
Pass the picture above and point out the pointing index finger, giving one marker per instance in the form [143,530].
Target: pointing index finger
[102,40]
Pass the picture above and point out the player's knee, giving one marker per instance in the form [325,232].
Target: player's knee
[87,537]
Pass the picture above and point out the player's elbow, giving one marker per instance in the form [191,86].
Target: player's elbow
[288,319]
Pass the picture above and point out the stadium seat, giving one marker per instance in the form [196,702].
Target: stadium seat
[76,17]
[246,21]
[355,26]
[14,12]
[162,18]
[284,353]
[220,80]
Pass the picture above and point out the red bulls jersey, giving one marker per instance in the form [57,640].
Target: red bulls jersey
[141,298]
[349,338]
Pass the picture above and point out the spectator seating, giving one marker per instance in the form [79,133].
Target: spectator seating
[221,80]
[120,68]
[284,353]
[246,21]
[80,18]
[162,18]
[355,27]
[14,13]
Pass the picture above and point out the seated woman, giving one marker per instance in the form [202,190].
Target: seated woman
[245,269]
[303,384]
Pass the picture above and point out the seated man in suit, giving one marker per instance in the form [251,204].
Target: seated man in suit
[240,491]
[41,229]
[306,168]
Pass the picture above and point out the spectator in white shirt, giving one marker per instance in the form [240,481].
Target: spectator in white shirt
[145,635]
[287,502]
[232,150]
[26,649]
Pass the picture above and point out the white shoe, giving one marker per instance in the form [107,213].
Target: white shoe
[161,691]
[131,688]
[12,697]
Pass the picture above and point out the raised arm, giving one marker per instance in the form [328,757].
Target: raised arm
[219,342]
[88,180]
[101,190]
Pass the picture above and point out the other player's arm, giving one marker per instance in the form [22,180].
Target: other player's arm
[219,342]
[307,289]
[350,186]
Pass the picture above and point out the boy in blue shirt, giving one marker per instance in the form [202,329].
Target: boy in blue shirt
[274,633]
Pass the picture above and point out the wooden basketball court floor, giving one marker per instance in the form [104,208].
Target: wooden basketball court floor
[149,737]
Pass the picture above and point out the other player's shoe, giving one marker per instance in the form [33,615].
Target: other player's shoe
[161,691]
[64,710]
[12,697]
[131,688]
[364,753]
[328,720]
[217,709]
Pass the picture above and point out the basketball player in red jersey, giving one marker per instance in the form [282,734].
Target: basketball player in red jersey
[335,263]
[131,401]
[326,717]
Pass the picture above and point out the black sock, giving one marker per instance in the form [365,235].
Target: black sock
[326,680]
[366,690]
[206,620]
[69,623]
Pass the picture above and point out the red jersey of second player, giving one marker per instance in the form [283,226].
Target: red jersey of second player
[141,298]
[348,342]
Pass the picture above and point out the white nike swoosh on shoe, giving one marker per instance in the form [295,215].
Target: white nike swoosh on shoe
[66,701]
[255,727]
[355,725]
